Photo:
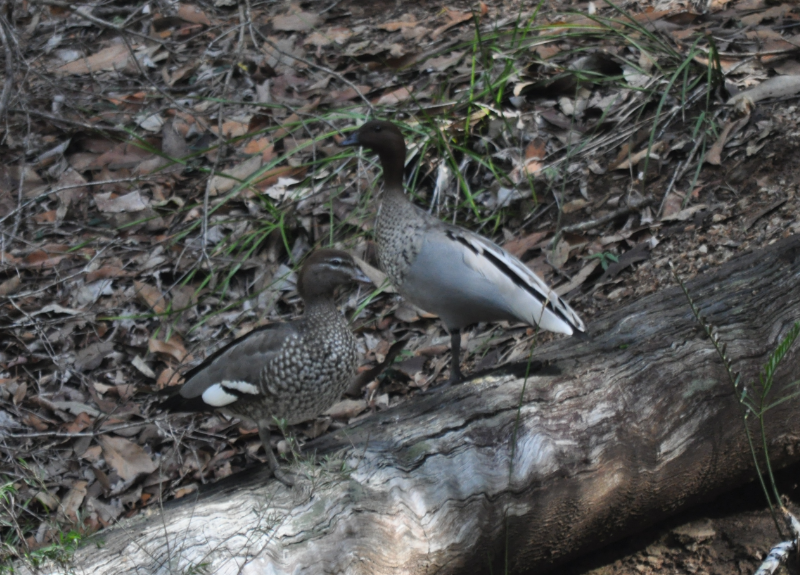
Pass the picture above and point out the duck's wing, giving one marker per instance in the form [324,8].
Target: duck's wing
[232,373]
[531,298]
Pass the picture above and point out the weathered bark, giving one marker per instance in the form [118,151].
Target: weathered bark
[641,422]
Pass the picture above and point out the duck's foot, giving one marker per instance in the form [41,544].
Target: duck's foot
[284,477]
[455,377]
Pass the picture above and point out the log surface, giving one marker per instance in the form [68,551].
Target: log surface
[640,423]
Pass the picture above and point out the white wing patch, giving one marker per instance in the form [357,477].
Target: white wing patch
[220,394]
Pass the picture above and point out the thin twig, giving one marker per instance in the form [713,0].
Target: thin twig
[633,206]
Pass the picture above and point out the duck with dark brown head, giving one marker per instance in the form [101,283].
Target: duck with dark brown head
[292,371]
[447,270]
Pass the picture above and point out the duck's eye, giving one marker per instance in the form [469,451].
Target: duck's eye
[376,129]
[336,262]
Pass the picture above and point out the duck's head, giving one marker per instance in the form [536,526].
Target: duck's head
[379,136]
[325,270]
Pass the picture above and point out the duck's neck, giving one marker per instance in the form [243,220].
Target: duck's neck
[394,199]
[320,309]
[393,164]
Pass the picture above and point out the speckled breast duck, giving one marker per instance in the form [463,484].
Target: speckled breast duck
[292,371]
[449,271]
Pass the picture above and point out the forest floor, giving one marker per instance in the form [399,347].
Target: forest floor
[166,168]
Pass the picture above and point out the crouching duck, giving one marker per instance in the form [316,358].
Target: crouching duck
[292,371]
[449,271]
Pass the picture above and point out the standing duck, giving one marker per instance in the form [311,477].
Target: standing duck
[292,371]
[449,271]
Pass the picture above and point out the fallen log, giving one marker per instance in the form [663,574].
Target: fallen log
[515,474]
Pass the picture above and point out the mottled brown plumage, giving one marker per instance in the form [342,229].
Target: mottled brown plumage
[291,371]
[444,269]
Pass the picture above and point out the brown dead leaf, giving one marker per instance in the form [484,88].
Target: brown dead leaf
[672,204]
[42,259]
[257,146]
[128,459]
[684,215]
[10,286]
[78,424]
[168,377]
[107,271]
[185,490]
[111,58]
[150,296]
[559,255]
[442,63]
[35,421]
[173,348]
[232,128]
[346,409]
[408,22]
[46,217]
[536,149]
[19,395]
[395,97]
[47,499]
[578,278]
[454,17]
[297,22]
[574,205]
[774,13]
[139,364]
[193,14]
[110,202]
[323,38]
[627,162]
[229,178]
[518,246]
[68,510]
[714,155]
[91,356]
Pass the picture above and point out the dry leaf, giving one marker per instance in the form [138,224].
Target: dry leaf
[395,97]
[174,348]
[10,286]
[139,364]
[78,424]
[518,246]
[111,58]
[128,459]
[93,355]
[111,203]
[684,215]
[714,155]
[559,255]
[19,395]
[107,271]
[68,510]
[338,35]
[150,296]
[298,22]
[346,408]
[229,178]
[168,377]
[574,206]
[578,278]
[193,14]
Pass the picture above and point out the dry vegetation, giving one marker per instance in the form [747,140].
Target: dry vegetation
[166,167]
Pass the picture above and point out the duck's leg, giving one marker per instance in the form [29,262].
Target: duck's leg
[280,475]
[455,357]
